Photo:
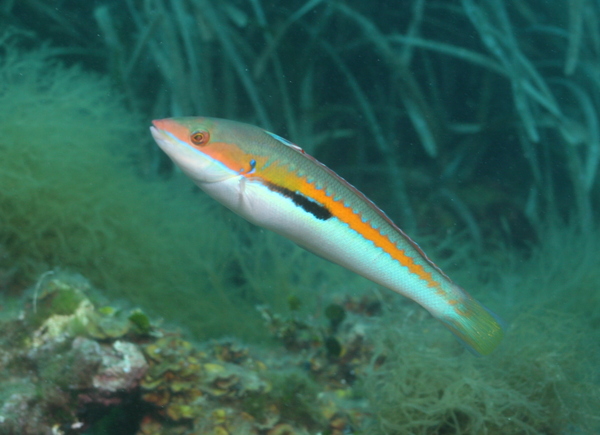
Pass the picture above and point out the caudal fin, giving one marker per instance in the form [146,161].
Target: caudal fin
[480,330]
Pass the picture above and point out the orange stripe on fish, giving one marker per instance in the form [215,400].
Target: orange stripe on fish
[355,221]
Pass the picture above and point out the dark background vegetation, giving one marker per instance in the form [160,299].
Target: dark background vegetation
[452,115]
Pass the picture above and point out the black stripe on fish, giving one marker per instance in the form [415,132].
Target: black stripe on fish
[317,210]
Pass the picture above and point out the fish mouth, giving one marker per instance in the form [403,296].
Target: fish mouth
[164,140]
[156,132]
[159,134]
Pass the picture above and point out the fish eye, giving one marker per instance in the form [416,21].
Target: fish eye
[200,137]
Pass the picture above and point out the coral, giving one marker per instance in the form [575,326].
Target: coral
[122,366]
[59,360]
[74,365]
[224,389]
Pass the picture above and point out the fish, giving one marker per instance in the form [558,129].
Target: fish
[276,185]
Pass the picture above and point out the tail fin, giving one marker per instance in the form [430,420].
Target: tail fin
[480,330]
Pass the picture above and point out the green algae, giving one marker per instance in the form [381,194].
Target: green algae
[543,379]
[336,315]
[73,198]
[141,321]
[59,301]
[294,396]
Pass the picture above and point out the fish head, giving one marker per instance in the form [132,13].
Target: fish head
[205,149]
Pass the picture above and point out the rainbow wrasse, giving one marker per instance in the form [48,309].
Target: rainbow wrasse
[274,184]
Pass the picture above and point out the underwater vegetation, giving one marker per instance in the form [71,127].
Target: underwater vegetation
[68,197]
[543,380]
[476,118]
[72,363]
[73,366]
[476,113]
[72,199]
[472,122]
